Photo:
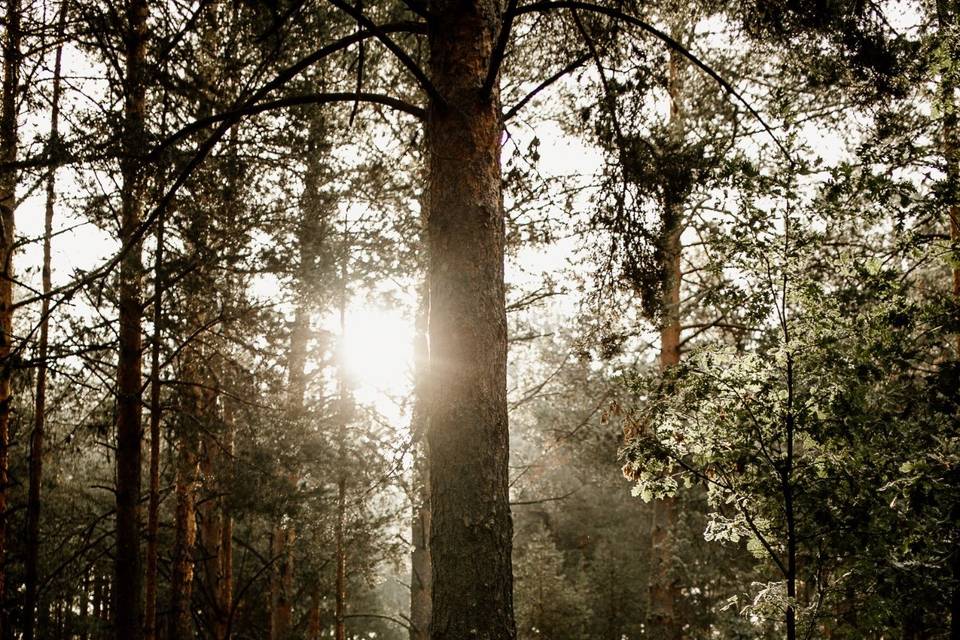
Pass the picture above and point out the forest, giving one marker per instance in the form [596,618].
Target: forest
[480,319]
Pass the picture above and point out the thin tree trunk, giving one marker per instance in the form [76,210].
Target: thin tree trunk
[420,569]
[58,619]
[84,616]
[311,234]
[211,538]
[126,588]
[281,584]
[43,617]
[345,405]
[272,585]
[226,533]
[98,599]
[181,585]
[471,528]
[8,204]
[341,578]
[282,578]
[39,414]
[153,517]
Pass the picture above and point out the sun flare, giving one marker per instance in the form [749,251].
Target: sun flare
[378,349]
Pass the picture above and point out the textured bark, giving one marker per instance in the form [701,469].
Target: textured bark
[31,568]
[471,528]
[947,17]
[185,524]
[312,215]
[126,587]
[284,534]
[8,204]
[272,585]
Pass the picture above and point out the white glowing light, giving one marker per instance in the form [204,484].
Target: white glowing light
[378,349]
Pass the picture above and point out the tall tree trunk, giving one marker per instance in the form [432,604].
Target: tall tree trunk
[341,576]
[153,509]
[39,414]
[282,582]
[311,216]
[664,586]
[211,536]
[193,414]
[311,234]
[272,587]
[84,616]
[285,533]
[468,442]
[420,564]
[126,587]
[222,631]
[8,205]
[98,599]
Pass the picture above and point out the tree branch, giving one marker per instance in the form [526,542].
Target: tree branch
[394,48]
[570,68]
[288,74]
[549,5]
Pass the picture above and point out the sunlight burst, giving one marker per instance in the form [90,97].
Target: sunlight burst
[378,349]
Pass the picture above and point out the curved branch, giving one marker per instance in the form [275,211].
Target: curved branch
[570,68]
[288,74]
[394,48]
[608,96]
[548,5]
[313,98]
